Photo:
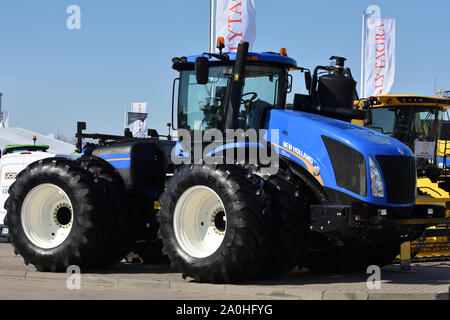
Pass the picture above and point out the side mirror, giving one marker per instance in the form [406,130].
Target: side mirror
[202,70]
[308,81]
[289,83]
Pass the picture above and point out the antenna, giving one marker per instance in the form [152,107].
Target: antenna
[362,53]
[435,86]
[212,15]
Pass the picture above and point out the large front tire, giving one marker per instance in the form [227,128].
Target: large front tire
[290,225]
[56,216]
[214,225]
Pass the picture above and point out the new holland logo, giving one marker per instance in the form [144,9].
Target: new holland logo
[10,175]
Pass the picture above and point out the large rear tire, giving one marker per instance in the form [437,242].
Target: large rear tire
[214,223]
[120,220]
[57,216]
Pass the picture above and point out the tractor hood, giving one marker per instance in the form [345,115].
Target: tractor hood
[313,127]
[305,138]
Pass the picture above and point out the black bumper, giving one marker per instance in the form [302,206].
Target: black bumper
[362,215]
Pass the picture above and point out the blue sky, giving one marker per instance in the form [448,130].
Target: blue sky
[51,76]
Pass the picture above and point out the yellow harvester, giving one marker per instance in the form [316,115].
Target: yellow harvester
[419,122]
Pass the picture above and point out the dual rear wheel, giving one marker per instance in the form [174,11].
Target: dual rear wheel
[61,213]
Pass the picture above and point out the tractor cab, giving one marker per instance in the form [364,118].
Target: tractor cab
[226,91]
[414,120]
[210,88]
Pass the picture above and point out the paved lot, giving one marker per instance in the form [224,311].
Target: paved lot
[428,281]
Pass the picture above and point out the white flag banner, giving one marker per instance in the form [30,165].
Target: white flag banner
[139,127]
[236,22]
[379,56]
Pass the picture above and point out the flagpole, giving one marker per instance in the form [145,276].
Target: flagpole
[212,13]
[1,114]
[362,54]
[125,124]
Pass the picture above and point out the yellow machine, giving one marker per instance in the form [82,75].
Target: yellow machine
[418,121]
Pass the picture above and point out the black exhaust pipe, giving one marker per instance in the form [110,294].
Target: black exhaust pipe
[237,85]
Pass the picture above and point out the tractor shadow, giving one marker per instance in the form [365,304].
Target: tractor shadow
[420,274]
[136,268]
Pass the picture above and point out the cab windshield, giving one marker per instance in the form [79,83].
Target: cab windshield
[417,127]
[202,107]
[408,124]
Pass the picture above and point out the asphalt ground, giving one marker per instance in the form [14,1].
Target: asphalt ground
[426,281]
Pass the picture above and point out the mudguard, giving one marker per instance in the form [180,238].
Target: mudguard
[141,164]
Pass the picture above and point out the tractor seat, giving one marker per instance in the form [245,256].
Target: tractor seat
[257,114]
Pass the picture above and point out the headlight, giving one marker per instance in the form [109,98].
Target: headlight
[376,181]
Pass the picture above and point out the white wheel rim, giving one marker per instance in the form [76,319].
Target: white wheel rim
[47,216]
[199,221]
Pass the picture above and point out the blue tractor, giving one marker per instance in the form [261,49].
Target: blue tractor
[341,197]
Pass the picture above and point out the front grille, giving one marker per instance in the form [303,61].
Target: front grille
[400,178]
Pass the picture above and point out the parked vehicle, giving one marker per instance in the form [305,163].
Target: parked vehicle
[418,121]
[342,197]
[15,158]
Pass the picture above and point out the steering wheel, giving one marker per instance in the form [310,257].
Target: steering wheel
[248,103]
[253,98]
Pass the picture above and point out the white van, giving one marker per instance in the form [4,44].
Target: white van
[13,160]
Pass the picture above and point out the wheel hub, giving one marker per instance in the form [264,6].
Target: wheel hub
[47,216]
[200,221]
[62,215]
[218,221]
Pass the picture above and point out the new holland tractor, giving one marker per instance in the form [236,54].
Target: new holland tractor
[418,121]
[342,196]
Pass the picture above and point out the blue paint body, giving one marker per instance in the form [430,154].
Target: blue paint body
[302,132]
[305,131]
[262,57]
[119,160]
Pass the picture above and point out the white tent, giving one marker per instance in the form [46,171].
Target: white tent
[14,136]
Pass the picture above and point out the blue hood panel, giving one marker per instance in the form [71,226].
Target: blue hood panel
[300,139]
[366,141]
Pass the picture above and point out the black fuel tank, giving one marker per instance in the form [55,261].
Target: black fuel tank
[141,164]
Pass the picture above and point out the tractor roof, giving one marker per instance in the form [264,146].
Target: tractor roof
[267,57]
[26,147]
[410,100]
